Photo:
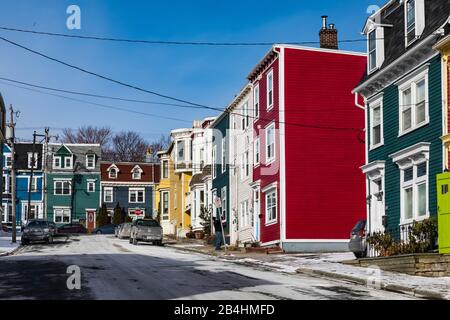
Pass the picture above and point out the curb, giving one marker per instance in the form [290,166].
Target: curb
[408,290]
[10,253]
[192,250]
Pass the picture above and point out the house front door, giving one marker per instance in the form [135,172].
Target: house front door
[90,220]
[443,190]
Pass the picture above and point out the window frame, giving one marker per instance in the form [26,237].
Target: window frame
[164,216]
[411,84]
[375,104]
[137,191]
[62,187]
[271,159]
[65,211]
[36,159]
[270,90]
[414,184]
[223,160]
[165,169]
[70,164]
[268,214]
[90,183]
[57,159]
[256,101]
[105,190]
[93,161]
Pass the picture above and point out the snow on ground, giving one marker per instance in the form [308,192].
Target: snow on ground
[6,245]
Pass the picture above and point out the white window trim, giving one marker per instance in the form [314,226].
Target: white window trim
[70,166]
[162,169]
[270,74]
[136,169]
[256,103]
[419,21]
[36,160]
[104,194]
[63,209]
[60,162]
[270,160]
[414,183]
[62,181]
[271,190]
[411,83]
[37,204]
[162,205]
[223,153]
[87,161]
[257,152]
[373,105]
[214,162]
[6,161]
[88,184]
[35,184]
[137,190]
[223,196]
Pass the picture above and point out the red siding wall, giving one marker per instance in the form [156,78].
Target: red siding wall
[268,175]
[324,184]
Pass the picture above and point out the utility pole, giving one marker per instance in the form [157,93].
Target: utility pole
[30,186]
[13,174]
[44,156]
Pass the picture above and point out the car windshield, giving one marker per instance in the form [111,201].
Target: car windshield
[360,225]
[34,224]
[148,223]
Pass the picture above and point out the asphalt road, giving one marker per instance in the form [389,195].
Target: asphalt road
[114,269]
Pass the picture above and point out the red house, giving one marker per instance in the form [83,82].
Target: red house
[309,145]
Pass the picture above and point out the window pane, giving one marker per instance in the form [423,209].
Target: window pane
[422,199]
[420,113]
[376,116]
[411,14]
[376,135]
[422,169]
[407,119]
[408,203]
[408,175]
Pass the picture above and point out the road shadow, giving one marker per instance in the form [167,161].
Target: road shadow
[127,276]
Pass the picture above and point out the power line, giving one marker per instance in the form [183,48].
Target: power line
[100,104]
[161,42]
[163,95]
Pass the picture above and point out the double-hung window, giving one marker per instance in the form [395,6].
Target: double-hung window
[90,161]
[61,215]
[165,205]
[270,143]
[372,50]
[415,192]
[57,162]
[91,186]
[224,155]
[214,162]
[376,123]
[137,196]
[271,206]
[33,184]
[68,162]
[108,194]
[224,204]
[256,153]
[270,90]
[165,169]
[63,188]
[256,100]
[410,21]
[245,116]
[32,160]
[414,103]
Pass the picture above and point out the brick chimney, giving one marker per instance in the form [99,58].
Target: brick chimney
[328,35]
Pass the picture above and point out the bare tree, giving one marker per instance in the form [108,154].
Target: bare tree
[129,146]
[88,134]
[158,145]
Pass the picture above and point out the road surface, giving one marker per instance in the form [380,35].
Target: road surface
[114,269]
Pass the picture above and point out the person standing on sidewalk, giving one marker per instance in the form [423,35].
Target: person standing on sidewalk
[218,230]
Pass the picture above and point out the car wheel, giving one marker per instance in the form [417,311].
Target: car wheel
[25,242]
[98,232]
[50,240]
[130,240]
[359,255]
[135,242]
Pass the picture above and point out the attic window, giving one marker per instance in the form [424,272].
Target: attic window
[90,161]
[410,20]
[372,50]
[113,173]
[137,174]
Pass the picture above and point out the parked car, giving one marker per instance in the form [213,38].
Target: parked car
[72,228]
[38,230]
[357,243]
[124,230]
[107,229]
[146,230]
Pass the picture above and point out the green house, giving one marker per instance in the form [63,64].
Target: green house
[404,115]
[73,182]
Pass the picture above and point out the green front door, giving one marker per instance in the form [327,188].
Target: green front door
[443,190]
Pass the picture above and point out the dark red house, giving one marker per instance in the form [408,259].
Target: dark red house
[309,188]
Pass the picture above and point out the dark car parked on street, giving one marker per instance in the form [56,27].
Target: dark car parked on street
[72,228]
[357,243]
[108,229]
[38,230]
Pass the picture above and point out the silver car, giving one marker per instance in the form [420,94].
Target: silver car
[146,230]
[124,230]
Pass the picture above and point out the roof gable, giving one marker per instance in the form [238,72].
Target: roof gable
[64,151]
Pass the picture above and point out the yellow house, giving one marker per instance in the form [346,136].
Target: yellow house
[173,189]
[444,47]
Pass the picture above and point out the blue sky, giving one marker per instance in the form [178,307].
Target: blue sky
[207,75]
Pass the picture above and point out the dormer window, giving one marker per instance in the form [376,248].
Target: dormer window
[68,162]
[180,150]
[113,173]
[136,173]
[90,161]
[372,50]
[414,20]
[57,163]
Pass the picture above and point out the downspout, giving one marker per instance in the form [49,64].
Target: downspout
[357,102]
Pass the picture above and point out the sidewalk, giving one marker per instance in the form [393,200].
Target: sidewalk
[6,247]
[328,265]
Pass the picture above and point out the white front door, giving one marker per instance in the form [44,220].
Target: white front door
[377,207]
